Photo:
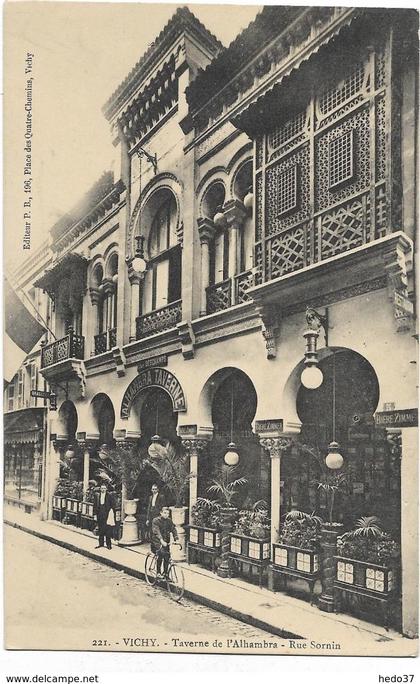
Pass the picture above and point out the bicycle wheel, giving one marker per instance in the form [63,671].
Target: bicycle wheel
[175,582]
[150,569]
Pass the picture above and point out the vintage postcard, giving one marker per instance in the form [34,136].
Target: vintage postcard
[210,404]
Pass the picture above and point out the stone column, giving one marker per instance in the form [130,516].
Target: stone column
[136,280]
[95,298]
[206,232]
[109,289]
[87,447]
[276,446]
[329,536]
[193,447]
[235,214]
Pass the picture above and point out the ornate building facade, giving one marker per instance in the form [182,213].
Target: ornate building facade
[251,184]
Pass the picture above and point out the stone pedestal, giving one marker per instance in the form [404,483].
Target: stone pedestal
[130,535]
[178,519]
[227,514]
[329,534]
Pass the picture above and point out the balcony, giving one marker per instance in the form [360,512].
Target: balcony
[62,360]
[159,320]
[71,346]
[222,296]
[105,340]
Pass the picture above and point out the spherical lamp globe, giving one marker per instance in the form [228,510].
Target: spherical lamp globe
[311,377]
[334,459]
[139,264]
[156,448]
[231,456]
[249,200]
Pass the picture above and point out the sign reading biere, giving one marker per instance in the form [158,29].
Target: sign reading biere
[399,418]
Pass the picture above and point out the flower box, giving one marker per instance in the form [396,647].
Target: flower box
[73,506]
[250,548]
[378,580]
[205,537]
[59,502]
[87,509]
[305,561]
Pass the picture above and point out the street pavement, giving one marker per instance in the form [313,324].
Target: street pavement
[57,599]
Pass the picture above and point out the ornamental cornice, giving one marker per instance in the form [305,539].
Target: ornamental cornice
[99,212]
[284,54]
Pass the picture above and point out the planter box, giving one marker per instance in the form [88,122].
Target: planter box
[377,580]
[249,547]
[73,506]
[205,537]
[305,561]
[59,502]
[86,509]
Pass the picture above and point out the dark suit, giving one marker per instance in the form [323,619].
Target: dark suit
[101,510]
[153,511]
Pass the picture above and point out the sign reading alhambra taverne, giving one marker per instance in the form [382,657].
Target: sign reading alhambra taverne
[153,377]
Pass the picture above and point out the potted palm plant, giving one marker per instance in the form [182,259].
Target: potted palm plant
[367,558]
[250,537]
[204,527]
[59,501]
[298,547]
[226,487]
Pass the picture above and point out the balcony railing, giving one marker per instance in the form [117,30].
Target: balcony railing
[159,320]
[105,340]
[71,346]
[220,295]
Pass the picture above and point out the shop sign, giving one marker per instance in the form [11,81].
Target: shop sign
[153,362]
[184,430]
[154,377]
[274,425]
[401,418]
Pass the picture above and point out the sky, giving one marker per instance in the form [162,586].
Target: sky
[81,53]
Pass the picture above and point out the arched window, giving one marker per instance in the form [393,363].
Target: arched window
[163,280]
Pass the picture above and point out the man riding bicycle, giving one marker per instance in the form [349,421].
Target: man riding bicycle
[162,528]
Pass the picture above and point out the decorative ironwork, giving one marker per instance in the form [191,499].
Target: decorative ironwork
[259,151]
[382,211]
[112,334]
[159,320]
[341,159]
[380,68]
[324,196]
[243,282]
[219,296]
[101,342]
[71,346]
[276,223]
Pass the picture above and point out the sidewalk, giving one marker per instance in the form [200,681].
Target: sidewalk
[306,629]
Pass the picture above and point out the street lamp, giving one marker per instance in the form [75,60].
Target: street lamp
[312,376]
[334,459]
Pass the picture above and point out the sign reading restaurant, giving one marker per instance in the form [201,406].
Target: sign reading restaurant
[153,377]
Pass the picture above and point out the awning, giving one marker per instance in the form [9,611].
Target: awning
[24,427]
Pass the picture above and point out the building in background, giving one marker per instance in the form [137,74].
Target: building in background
[260,192]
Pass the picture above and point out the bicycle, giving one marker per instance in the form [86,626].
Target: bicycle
[174,577]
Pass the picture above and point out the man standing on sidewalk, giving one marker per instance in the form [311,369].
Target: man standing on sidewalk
[104,510]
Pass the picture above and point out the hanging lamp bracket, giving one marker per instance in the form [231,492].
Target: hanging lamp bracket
[316,321]
[151,158]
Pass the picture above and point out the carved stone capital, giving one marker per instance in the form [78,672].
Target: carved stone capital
[119,360]
[275,445]
[395,258]
[194,446]
[95,295]
[270,318]
[235,213]
[187,337]
[109,286]
[89,445]
[134,277]
[206,230]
